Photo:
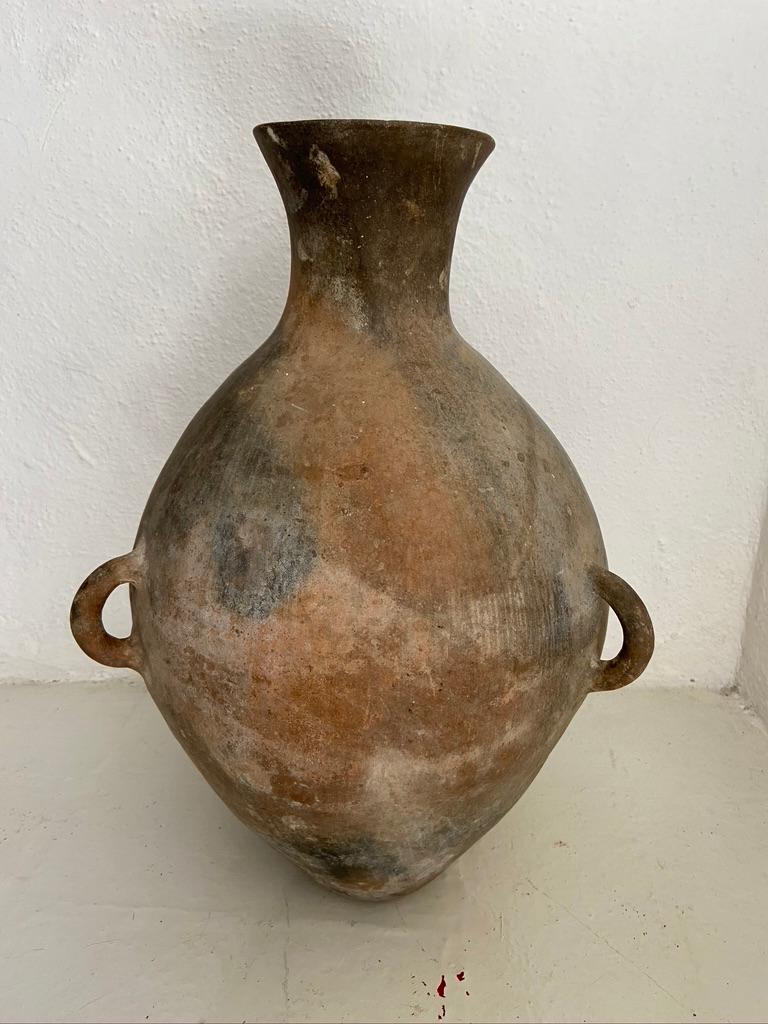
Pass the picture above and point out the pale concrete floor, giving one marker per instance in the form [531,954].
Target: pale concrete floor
[629,884]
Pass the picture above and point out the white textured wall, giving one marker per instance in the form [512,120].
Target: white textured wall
[611,261]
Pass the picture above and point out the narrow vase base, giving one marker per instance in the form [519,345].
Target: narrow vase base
[372,890]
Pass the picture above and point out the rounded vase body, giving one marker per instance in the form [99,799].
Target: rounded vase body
[369,589]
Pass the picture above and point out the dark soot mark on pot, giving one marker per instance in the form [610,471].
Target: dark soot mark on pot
[362,858]
[261,559]
[561,615]
[263,546]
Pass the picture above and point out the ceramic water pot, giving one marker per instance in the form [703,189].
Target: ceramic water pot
[369,590]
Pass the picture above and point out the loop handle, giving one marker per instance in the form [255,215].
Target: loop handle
[637,648]
[85,616]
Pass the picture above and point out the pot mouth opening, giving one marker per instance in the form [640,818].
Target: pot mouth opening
[345,126]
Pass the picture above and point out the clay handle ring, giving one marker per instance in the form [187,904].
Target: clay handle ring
[85,616]
[637,648]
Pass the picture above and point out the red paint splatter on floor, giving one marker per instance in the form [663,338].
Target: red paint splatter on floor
[441,987]
[460,976]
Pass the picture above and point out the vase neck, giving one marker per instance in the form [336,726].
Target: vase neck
[372,209]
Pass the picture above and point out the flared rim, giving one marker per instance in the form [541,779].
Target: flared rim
[382,123]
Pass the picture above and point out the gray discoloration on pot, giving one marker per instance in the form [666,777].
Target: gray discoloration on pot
[261,559]
[262,550]
[369,587]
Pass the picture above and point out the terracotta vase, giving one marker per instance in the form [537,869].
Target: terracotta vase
[369,590]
